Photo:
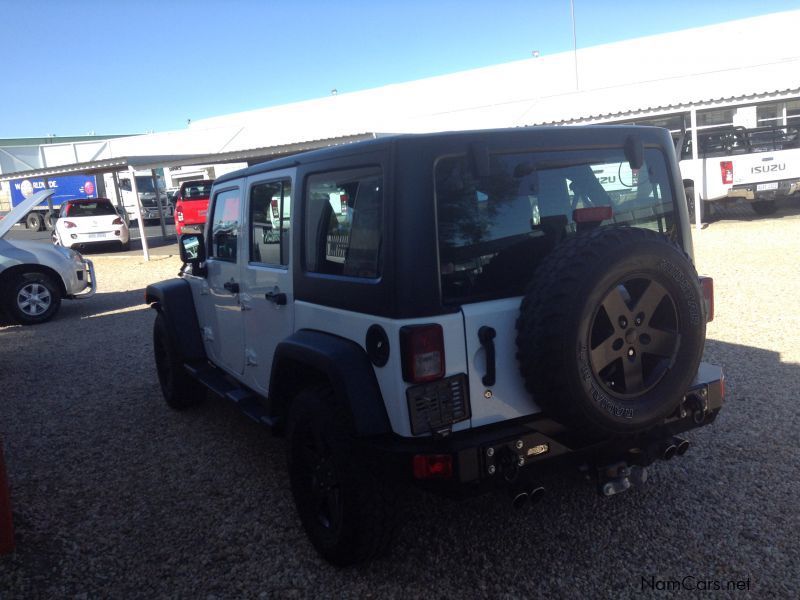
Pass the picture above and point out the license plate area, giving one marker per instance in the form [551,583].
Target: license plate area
[504,459]
[763,187]
[94,236]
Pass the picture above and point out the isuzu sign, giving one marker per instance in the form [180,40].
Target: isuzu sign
[768,168]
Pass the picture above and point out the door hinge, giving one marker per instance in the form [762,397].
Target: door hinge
[208,334]
[244,302]
[250,358]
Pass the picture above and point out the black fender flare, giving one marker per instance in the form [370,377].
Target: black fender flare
[173,298]
[344,363]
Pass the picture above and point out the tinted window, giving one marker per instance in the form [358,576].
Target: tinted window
[225,225]
[269,222]
[198,190]
[89,209]
[494,231]
[344,222]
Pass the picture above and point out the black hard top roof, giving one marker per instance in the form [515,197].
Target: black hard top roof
[603,134]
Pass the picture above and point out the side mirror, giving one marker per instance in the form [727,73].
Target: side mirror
[192,248]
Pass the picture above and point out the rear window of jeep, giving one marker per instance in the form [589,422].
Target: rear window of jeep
[495,230]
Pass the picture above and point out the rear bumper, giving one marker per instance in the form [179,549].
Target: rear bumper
[518,451]
[765,190]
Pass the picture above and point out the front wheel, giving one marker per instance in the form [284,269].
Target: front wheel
[347,510]
[180,390]
[33,298]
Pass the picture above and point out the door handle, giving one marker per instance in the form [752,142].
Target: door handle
[279,298]
[231,286]
[486,336]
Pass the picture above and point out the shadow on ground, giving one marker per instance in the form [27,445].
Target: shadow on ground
[115,494]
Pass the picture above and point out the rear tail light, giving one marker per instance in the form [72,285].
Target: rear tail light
[69,224]
[707,283]
[422,351]
[726,171]
[179,213]
[433,466]
[274,206]
[117,221]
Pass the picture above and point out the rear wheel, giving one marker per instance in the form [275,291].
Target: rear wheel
[34,221]
[347,510]
[33,298]
[764,207]
[180,390]
[690,204]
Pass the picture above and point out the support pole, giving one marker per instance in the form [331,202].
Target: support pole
[158,203]
[699,173]
[139,219]
[120,204]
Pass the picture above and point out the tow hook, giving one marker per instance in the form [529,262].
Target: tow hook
[620,477]
[697,403]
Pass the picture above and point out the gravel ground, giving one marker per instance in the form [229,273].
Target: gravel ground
[115,495]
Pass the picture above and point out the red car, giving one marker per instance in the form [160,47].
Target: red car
[191,206]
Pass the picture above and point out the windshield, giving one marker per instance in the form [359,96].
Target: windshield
[145,184]
[89,209]
[494,231]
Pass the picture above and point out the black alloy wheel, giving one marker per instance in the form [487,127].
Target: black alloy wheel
[633,337]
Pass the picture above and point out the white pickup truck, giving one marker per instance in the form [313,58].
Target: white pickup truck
[755,165]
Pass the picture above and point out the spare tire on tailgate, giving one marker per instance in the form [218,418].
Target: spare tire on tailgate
[611,330]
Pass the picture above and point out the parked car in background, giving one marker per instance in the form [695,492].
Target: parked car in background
[90,221]
[191,206]
[35,276]
[758,166]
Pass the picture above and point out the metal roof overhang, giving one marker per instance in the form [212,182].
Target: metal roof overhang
[123,163]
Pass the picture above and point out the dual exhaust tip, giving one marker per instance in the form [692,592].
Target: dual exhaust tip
[523,498]
[674,447]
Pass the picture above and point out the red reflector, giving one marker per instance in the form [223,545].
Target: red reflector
[726,171]
[707,283]
[433,466]
[422,351]
[592,214]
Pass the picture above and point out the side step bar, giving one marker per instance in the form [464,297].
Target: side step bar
[245,400]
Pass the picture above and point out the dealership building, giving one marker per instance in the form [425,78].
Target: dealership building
[739,72]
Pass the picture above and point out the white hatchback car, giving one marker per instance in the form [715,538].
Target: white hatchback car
[90,221]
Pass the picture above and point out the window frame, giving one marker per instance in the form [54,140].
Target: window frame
[275,178]
[210,223]
[380,170]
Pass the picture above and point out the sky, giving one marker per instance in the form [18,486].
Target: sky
[77,67]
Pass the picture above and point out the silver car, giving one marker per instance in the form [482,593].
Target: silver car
[36,276]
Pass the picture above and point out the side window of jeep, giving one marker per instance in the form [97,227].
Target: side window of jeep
[225,225]
[270,204]
[344,222]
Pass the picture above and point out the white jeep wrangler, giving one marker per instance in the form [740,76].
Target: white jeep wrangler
[460,310]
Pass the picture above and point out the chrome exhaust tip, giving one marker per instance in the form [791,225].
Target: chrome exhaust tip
[536,494]
[520,500]
[681,446]
[669,451]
